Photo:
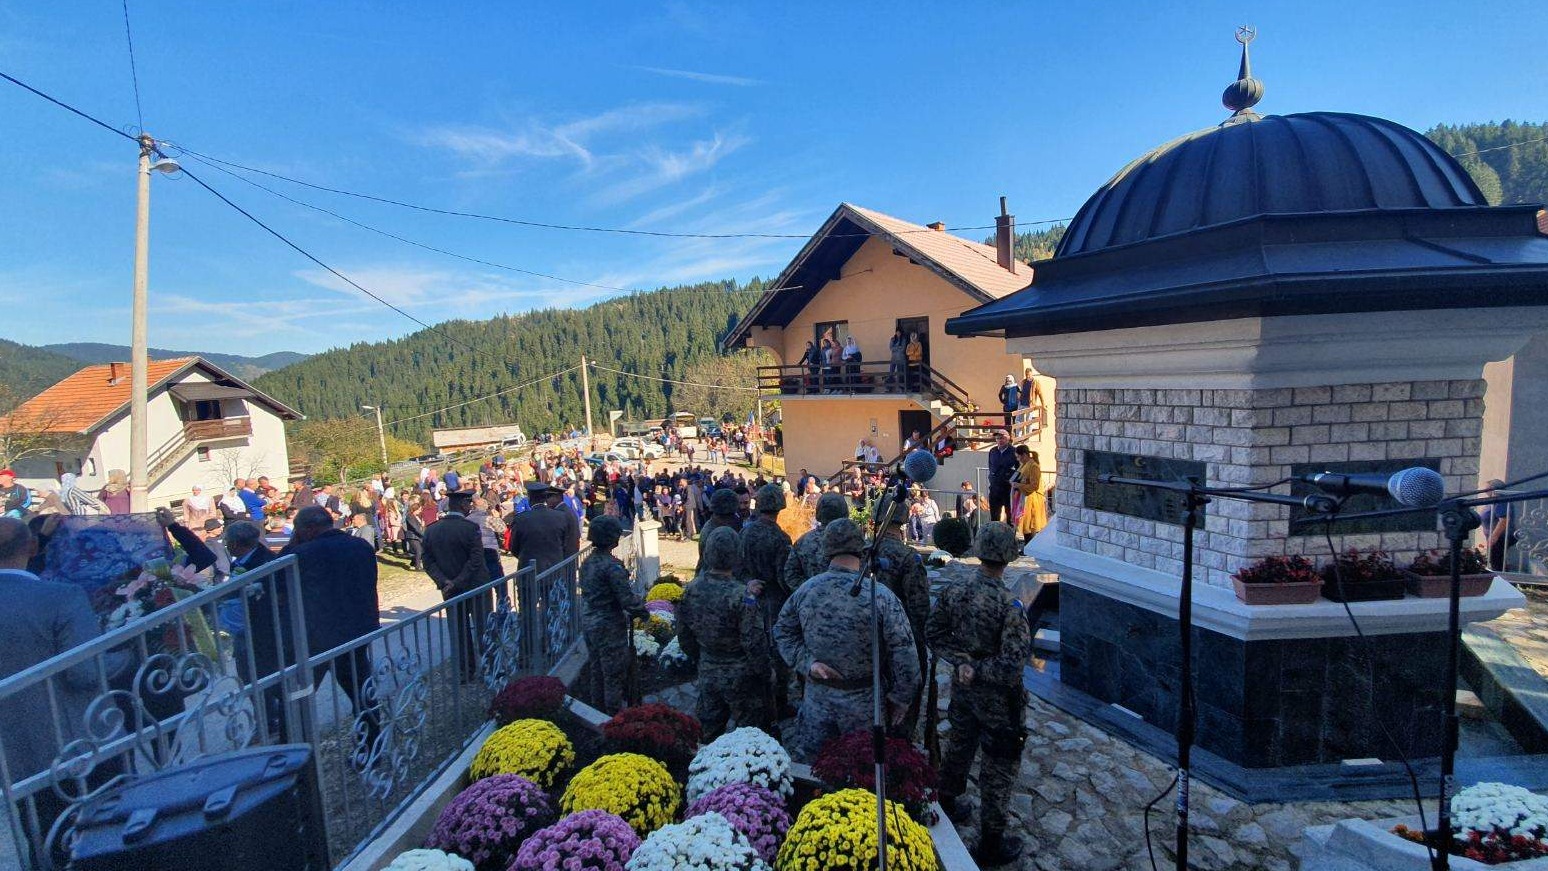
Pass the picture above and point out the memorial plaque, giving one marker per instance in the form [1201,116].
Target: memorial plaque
[1419,521]
[1165,506]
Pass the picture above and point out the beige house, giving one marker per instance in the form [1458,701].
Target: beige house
[865,274]
[205,426]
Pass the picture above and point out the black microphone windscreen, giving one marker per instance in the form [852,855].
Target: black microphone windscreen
[919,465]
[1417,487]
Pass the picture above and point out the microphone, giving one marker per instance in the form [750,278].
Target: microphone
[918,466]
[1417,487]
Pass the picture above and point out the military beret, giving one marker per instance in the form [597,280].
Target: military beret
[996,543]
[721,550]
[842,536]
[831,506]
[771,499]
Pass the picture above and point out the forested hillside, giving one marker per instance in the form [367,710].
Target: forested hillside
[246,368]
[1508,160]
[659,334]
[25,371]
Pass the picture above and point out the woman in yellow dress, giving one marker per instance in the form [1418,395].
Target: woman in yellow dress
[1028,480]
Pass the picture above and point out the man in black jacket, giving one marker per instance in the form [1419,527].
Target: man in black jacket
[1002,465]
[454,559]
[547,534]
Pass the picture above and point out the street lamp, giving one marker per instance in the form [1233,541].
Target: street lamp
[381,434]
[139,444]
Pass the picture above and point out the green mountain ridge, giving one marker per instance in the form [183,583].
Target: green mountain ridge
[246,368]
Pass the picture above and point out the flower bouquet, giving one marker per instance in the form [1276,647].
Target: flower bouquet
[847,762]
[659,731]
[660,607]
[658,626]
[428,860]
[487,822]
[703,843]
[757,813]
[637,788]
[672,658]
[538,697]
[664,592]
[745,755]
[1494,823]
[587,841]
[645,646]
[158,585]
[534,749]
[837,832]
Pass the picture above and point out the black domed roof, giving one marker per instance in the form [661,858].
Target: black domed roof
[1308,163]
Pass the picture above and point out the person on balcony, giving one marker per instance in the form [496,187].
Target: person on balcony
[914,353]
[1010,398]
[851,357]
[833,355]
[810,358]
[898,360]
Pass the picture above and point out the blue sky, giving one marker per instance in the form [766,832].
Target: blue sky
[683,116]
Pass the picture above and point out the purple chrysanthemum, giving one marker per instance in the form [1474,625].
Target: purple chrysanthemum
[486,822]
[591,840]
[754,811]
[663,607]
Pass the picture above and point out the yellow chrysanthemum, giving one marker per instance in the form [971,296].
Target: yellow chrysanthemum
[637,788]
[664,593]
[837,832]
[535,749]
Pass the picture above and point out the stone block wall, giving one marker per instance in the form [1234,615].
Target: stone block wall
[1254,436]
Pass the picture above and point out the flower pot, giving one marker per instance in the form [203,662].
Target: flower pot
[1298,593]
[1439,586]
[1370,591]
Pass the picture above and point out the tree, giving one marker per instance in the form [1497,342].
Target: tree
[229,464]
[336,447]
[31,432]
[720,385]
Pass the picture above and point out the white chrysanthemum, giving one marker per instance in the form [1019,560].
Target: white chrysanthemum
[429,860]
[644,645]
[1492,807]
[673,654]
[707,842]
[745,755]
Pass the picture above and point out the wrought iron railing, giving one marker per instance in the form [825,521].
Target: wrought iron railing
[385,712]
[1524,556]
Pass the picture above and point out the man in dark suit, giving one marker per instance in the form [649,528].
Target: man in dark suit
[338,594]
[546,535]
[454,559]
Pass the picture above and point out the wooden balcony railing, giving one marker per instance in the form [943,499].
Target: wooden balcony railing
[850,379]
[225,428]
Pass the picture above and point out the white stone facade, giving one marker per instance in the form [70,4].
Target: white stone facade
[1253,436]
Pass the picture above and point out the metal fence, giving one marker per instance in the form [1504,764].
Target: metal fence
[1526,536]
[385,713]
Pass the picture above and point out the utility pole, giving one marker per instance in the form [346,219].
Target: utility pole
[586,393]
[139,445]
[381,434]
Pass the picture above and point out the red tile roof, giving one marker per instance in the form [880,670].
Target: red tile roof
[974,263]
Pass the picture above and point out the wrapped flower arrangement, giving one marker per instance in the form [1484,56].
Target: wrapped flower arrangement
[534,749]
[703,843]
[637,788]
[538,697]
[757,813]
[487,822]
[645,646]
[672,657]
[659,627]
[660,607]
[587,841]
[659,731]
[664,592]
[837,832]
[428,860]
[846,762]
[745,755]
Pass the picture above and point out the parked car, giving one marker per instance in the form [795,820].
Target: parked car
[636,448]
[603,457]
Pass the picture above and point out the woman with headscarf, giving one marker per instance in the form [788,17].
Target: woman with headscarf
[851,355]
[1010,398]
[914,353]
[198,508]
[76,500]
[114,495]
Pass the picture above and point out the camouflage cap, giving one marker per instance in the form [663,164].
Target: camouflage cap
[721,549]
[831,506]
[996,543]
[723,501]
[842,536]
[771,499]
[604,532]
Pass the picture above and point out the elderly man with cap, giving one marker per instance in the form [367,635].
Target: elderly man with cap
[978,628]
[15,499]
[824,633]
[900,570]
[607,604]
[721,627]
[806,558]
[723,512]
[765,548]
[547,534]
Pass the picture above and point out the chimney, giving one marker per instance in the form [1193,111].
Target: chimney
[112,373]
[1005,239]
[938,226]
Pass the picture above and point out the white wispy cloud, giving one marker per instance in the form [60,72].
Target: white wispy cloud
[543,141]
[708,78]
[438,294]
[657,167]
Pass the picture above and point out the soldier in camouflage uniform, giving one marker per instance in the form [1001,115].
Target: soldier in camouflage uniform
[978,628]
[806,559]
[765,549]
[824,633]
[721,627]
[723,508]
[901,570]
[607,603]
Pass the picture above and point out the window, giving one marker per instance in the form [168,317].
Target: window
[840,331]
[206,409]
[920,326]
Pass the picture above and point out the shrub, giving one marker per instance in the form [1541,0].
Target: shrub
[1438,562]
[659,731]
[428,860]
[1279,570]
[837,832]
[487,822]
[758,813]
[953,535]
[529,698]
[704,843]
[1355,567]
[846,762]
[534,749]
[587,841]
[637,788]
[744,755]
[664,592]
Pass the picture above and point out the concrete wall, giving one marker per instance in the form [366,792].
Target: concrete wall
[1515,423]
[821,431]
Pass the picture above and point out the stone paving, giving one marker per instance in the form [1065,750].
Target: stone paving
[1527,628]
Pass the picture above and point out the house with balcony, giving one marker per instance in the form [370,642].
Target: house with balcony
[205,427]
[866,274]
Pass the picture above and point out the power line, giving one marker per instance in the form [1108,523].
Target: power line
[69,108]
[596,365]
[134,73]
[485,398]
[1501,147]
